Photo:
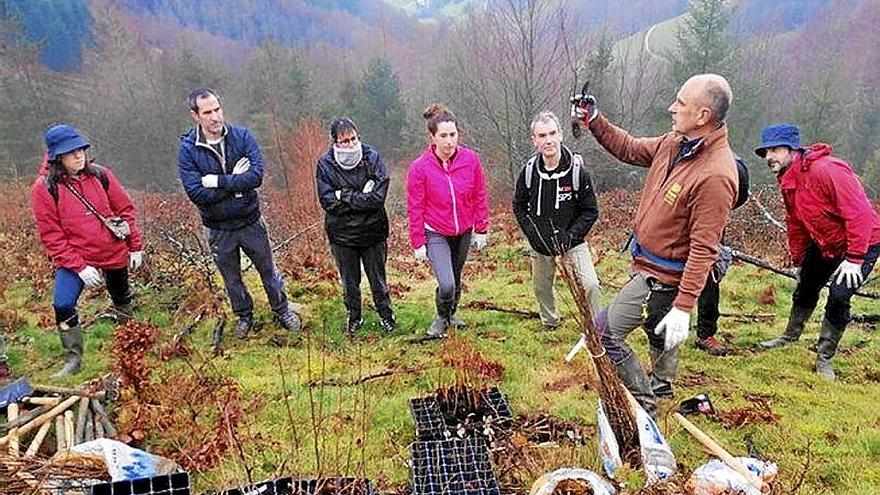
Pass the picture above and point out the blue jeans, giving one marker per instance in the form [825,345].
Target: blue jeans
[68,287]
[253,239]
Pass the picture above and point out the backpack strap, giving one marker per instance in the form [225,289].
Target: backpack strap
[530,170]
[577,163]
[52,186]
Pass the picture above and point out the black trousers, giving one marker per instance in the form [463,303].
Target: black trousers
[373,258]
[707,308]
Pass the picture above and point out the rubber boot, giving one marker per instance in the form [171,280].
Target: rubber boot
[664,368]
[454,320]
[793,330]
[438,327]
[119,313]
[829,337]
[637,382]
[72,342]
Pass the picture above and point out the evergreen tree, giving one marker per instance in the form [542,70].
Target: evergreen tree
[703,42]
[379,110]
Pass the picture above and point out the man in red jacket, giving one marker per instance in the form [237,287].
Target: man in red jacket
[833,233]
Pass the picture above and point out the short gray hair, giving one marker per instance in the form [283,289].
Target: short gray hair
[545,116]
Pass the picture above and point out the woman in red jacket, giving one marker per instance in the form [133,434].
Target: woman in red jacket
[86,223]
[448,210]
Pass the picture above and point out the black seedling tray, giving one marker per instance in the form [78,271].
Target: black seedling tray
[452,467]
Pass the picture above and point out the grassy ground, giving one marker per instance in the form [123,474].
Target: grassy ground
[829,433]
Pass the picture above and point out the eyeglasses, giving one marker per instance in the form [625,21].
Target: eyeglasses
[347,141]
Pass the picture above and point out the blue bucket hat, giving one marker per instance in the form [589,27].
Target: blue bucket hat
[778,135]
[63,138]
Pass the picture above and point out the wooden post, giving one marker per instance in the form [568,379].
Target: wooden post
[38,439]
[109,429]
[59,433]
[12,414]
[99,428]
[80,431]
[68,430]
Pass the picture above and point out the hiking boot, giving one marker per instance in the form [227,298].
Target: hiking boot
[388,325]
[352,326]
[793,330]
[456,322]
[72,343]
[549,328]
[712,346]
[5,370]
[244,326]
[829,337]
[438,327]
[288,319]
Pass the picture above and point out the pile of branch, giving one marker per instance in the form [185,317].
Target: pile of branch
[603,376]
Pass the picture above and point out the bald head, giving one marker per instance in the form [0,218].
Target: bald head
[714,92]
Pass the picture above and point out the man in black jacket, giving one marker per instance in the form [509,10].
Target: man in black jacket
[352,184]
[556,207]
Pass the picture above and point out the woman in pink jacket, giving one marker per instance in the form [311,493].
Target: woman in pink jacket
[86,223]
[448,209]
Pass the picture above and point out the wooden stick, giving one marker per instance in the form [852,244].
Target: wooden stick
[59,433]
[722,454]
[51,389]
[47,416]
[80,431]
[42,401]
[68,430]
[24,417]
[90,428]
[38,439]
[108,427]
[12,415]
[99,428]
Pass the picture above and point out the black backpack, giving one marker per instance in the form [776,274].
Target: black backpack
[52,186]
[743,172]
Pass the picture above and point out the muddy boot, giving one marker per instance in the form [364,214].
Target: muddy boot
[664,367]
[793,330]
[454,320]
[828,340]
[438,327]
[637,382]
[72,342]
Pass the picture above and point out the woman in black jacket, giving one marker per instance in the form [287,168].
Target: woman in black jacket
[352,184]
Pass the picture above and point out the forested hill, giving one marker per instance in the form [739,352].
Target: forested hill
[64,26]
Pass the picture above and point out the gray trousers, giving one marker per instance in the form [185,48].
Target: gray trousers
[447,255]
[254,241]
[544,274]
[643,301]
[349,260]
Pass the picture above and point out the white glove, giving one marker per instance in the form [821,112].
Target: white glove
[677,324]
[849,272]
[369,186]
[338,194]
[241,166]
[210,181]
[421,254]
[135,260]
[91,276]
[479,241]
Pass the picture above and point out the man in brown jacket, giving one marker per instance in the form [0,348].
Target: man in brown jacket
[687,197]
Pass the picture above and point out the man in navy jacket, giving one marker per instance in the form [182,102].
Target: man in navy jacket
[221,168]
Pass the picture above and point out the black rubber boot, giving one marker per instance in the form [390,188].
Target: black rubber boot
[796,321]
[829,338]
[438,327]
[72,342]
[664,368]
[454,320]
[637,382]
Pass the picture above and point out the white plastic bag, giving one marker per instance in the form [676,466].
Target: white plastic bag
[124,462]
[717,478]
[547,482]
[657,458]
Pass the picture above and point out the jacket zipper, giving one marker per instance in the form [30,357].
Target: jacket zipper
[454,205]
